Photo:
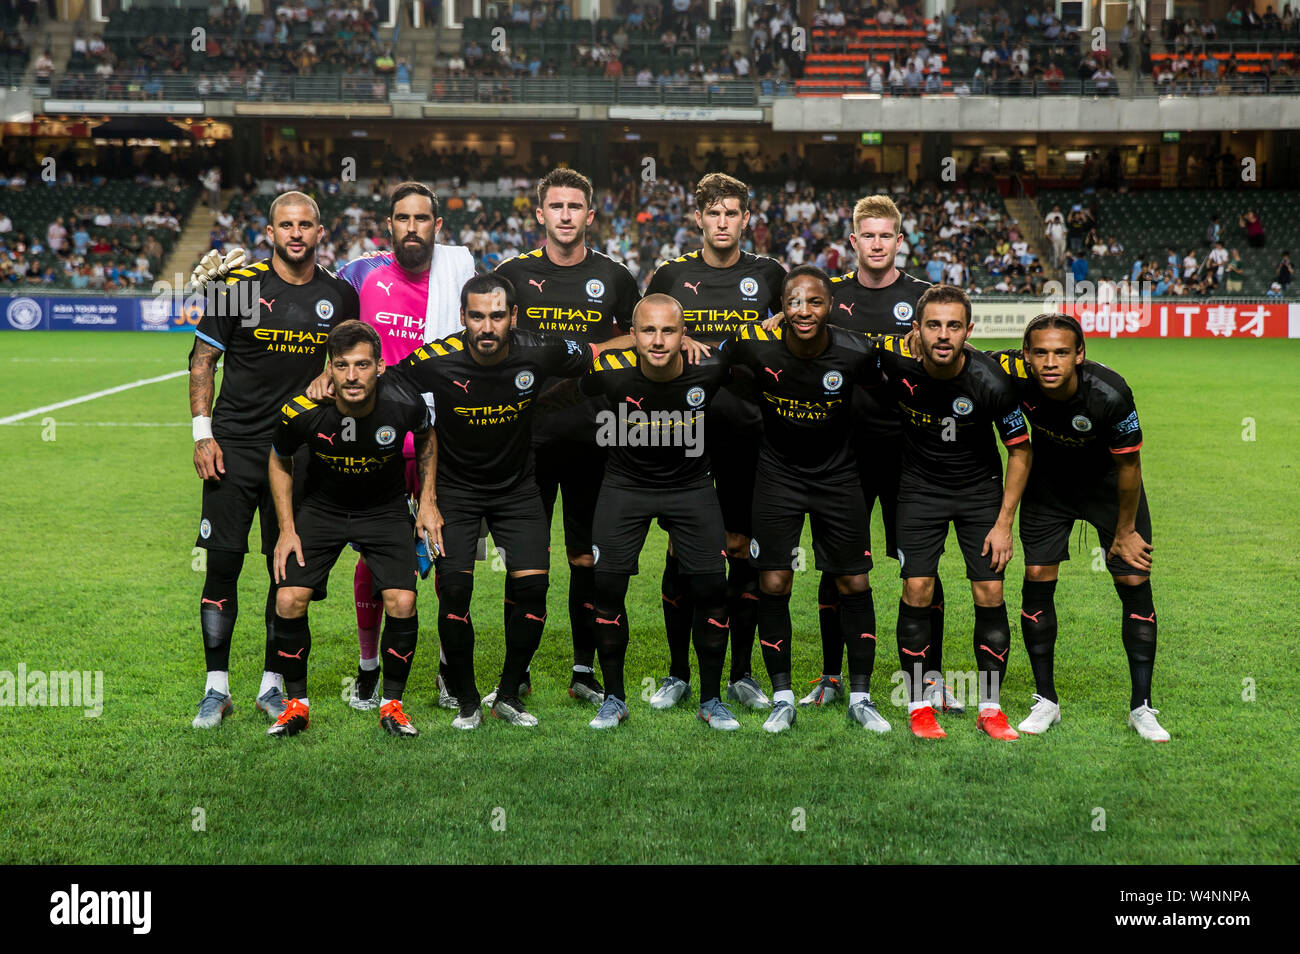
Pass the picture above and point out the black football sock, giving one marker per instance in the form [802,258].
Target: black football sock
[742,612]
[1038,626]
[913,635]
[992,647]
[1139,632]
[524,632]
[219,607]
[710,631]
[270,663]
[508,603]
[858,632]
[293,646]
[611,629]
[935,657]
[828,619]
[774,638]
[397,649]
[678,614]
[444,670]
[456,633]
[582,596]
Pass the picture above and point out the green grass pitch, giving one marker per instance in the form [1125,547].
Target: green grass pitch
[99,573]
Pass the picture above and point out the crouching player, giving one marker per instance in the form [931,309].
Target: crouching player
[657,467]
[356,491]
[1086,467]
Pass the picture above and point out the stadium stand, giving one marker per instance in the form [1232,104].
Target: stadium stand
[97,233]
[1159,228]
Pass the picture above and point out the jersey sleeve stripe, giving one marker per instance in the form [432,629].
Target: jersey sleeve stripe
[288,412]
[439,349]
[212,341]
[1125,450]
[303,403]
[614,363]
[423,355]
[455,344]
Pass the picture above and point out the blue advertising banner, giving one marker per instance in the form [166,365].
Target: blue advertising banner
[102,313]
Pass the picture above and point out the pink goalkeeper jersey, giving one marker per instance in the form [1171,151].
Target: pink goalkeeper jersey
[392,302]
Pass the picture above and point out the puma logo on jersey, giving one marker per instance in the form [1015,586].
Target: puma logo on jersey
[388,290]
[327,437]
[1028,406]
[533,281]
[848,307]
[632,400]
[463,385]
[268,304]
[775,374]
[695,288]
[911,388]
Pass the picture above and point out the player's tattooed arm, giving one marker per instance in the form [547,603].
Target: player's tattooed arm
[998,545]
[1129,545]
[280,475]
[428,519]
[209,463]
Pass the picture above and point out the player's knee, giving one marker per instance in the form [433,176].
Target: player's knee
[1043,574]
[737,545]
[1131,581]
[455,590]
[775,582]
[986,592]
[851,584]
[709,589]
[291,601]
[918,590]
[400,604]
[611,593]
[580,557]
[530,593]
[224,567]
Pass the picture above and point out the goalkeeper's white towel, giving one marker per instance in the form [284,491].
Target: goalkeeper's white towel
[451,268]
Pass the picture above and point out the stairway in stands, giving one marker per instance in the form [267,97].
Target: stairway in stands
[839,55]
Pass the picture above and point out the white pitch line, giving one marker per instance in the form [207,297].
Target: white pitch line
[99,423]
[90,397]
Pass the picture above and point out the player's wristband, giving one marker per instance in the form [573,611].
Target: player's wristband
[202,428]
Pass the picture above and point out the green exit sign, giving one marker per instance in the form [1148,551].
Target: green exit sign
[873,138]
[1171,137]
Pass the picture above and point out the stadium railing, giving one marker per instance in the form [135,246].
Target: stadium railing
[467,89]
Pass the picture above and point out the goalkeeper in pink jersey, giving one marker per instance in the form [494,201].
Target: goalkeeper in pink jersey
[409,295]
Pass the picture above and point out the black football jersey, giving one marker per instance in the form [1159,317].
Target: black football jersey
[589,302]
[947,439]
[485,412]
[653,430]
[881,311]
[805,401]
[1075,438]
[718,302]
[356,464]
[273,336]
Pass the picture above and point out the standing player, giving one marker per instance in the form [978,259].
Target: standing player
[658,468]
[485,381]
[948,398]
[874,298]
[270,321]
[568,289]
[409,295]
[805,373]
[1086,467]
[721,290]
[356,491]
